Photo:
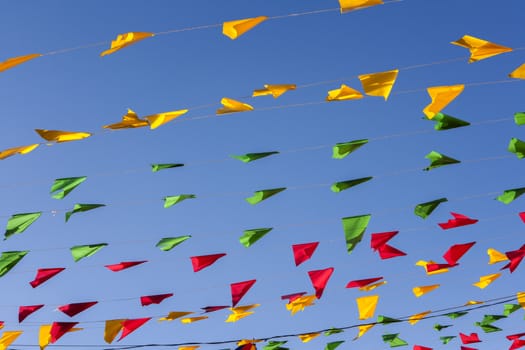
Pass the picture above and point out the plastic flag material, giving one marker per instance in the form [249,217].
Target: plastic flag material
[291,297]
[518,73]
[515,257]
[18,223]
[193,319]
[333,345]
[154,299]
[131,325]
[455,252]
[250,157]
[214,308]
[495,256]
[377,240]
[343,149]
[379,84]
[129,121]
[363,282]
[372,286]
[480,49]
[519,118]
[241,312]
[429,272]
[510,308]
[343,185]
[441,96]
[422,290]
[445,122]
[170,201]
[239,289]
[417,317]
[351,5]
[438,327]
[454,315]
[303,252]
[43,275]
[300,303]
[509,196]
[517,147]
[423,210]
[83,251]
[159,119]
[203,261]
[8,260]
[388,252]
[420,347]
[367,306]
[62,187]
[124,265]
[112,329]
[158,167]
[124,40]
[25,311]
[168,243]
[174,315]
[459,220]
[233,106]
[15,61]
[305,338]
[76,308]
[362,329]
[234,29]
[275,345]
[437,160]
[78,208]
[8,337]
[386,320]
[261,195]
[469,339]
[447,339]
[6,153]
[319,280]
[332,331]
[393,340]
[58,329]
[44,336]
[251,236]
[354,228]
[344,93]
[274,90]
[59,136]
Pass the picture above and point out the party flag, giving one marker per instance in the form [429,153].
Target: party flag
[515,257]
[239,289]
[509,196]
[469,339]
[445,122]
[172,200]
[393,340]
[426,264]
[420,347]
[6,153]
[81,208]
[457,314]
[438,327]
[8,337]
[24,311]
[241,312]
[129,121]
[386,320]
[362,329]
[344,93]
[333,330]
[169,243]
[173,315]
[372,286]
[126,39]
[441,96]
[159,119]
[351,5]
[154,299]
[387,252]
[274,90]
[480,49]
[517,147]
[519,118]
[83,251]
[58,329]
[234,29]
[363,282]
[233,106]
[447,339]
[193,319]
[43,275]
[343,185]
[291,297]
[367,306]
[510,308]
[417,317]
[437,160]
[124,265]
[261,195]
[354,228]
[379,84]
[341,150]
[320,279]
[422,290]
[250,157]
[377,240]
[8,260]
[484,281]
[298,304]
[76,308]
[111,329]
[59,136]
[333,345]
[459,220]
[305,338]
[275,345]
[423,210]
[158,167]
[251,236]
[455,252]
[131,325]
[303,252]
[15,61]
[518,73]
[18,223]
[203,261]
[62,187]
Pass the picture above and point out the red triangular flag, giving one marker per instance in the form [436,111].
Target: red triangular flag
[459,220]
[239,289]
[378,240]
[76,308]
[320,279]
[58,329]
[24,311]
[203,261]
[214,308]
[455,252]
[363,282]
[130,325]
[522,216]
[292,297]
[469,339]
[436,267]
[516,344]
[515,257]
[154,299]
[43,275]
[388,252]
[303,252]
[515,336]
[419,347]
[124,265]
[467,348]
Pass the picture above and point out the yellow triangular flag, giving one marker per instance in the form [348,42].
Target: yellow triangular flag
[8,337]
[193,319]
[518,73]
[129,121]
[111,329]
[344,93]
[44,336]
[484,281]
[305,338]
[194,347]
[417,317]
[363,329]
[422,290]
[274,90]
[520,296]
[62,136]
[126,39]
[379,84]
[234,29]
[174,315]
[17,150]
[473,302]
[350,5]
[479,48]
[372,286]
[233,106]
[156,120]
[441,96]
[495,256]
[237,316]
[300,303]
[248,341]
[424,264]
[367,306]
[15,61]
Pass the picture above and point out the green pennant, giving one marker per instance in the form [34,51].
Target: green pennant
[82,207]
[445,122]
[83,251]
[169,243]
[386,320]
[275,345]
[62,187]
[18,223]
[509,196]
[519,118]
[487,328]
[251,236]
[393,340]
[158,167]
[510,308]
[423,210]
[343,185]
[250,157]
[172,200]
[454,315]
[341,150]
[333,331]
[261,195]
[333,345]
[517,147]
[447,339]
[438,160]
[8,260]
[354,228]
[489,319]
[438,327]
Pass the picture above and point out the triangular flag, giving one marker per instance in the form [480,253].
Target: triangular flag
[480,49]
[445,122]
[24,311]
[459,220]
[333,345]
[438,160]
[239,289]
[354,228]
[44,336]
[393,340]
[379,84]
[62,187]
[59,136]
[154,299]
[8,260]
[159,119]
[386,320]
[18,223]
[130,120]
[172,200]
[8,337]
[76,308]
[303,252]
[367,306]
[274,90]
[351,5]
[15,61]
[441,96]
[469,339]
[58,329]
[495,256]
[423,210]
[343,149]
[83,251]
[320,279]
[261,195]
[81,208]
[509,196]
[417,317]
[422,290]
[363,282]
[518,73]
[234,29]
[130,325]
[517,147]
[163,166]
[298,304]
[455,252]
[43,275]
[344,93]
[484,281]
[174,315]
[193,319]
[447,339]
[251,236]
[203,261]
[233,106]
[363,329]
[124,265]
[377,240]
[168,243]
[343,185]
[111,329]
[305,338]
[388,252]
[250,157]
[214,308]
[124,40]
[6,153]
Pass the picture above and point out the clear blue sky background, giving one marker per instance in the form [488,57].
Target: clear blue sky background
[80,91]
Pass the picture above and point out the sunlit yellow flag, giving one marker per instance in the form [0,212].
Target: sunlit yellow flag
[300,303]
[240,312]
[44,336]
[495,256]
[305,338]
[479,48]
[372,286]
[350,5]
[15,61]
[129,120]
[193,347]
[417,317]
[126,39]
[518,73]
[274,90]
[156,120]
[379,84]
[111,329]
[473,302]
[17,150]
[193,319]
[520,297]
[344,93]
[424,264]
[248,341]
[233,106]
[441,96]
[8,337]
[484,281]
[62,136]
[174,315]
[422,290]
[367,306]
[234,29]
[362,329]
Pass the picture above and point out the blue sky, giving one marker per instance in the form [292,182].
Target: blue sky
[81,91]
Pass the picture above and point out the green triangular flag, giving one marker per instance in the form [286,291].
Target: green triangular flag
[510,308]
[447,338]
[487,328]
[354,227]
[517,147]
[343,185]
[82,207]
[386,320]
[341,150]
[157,167]
[275,345]
[250,157]
[488,319]
[261,195]
[18,223]
[454,315]
[83,251]
[519,118]
[169,243]
[437,160]
[333,345]
[333,331]
[423,210]
[445,122]
[8,260]
[172,200]
[509,196]
[438,327]
[62,187]
[393,340]
[251,236]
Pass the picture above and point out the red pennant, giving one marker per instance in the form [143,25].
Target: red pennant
[380,239]
[214,308]
[43,275]
[58,329]
[154,299]
[516,344]
[455,252]
[239,289]
[515,336]
[303,252]
[469,339]
[515,257]
[124,265]
[459,220]
[76,308]
[436,267]
[320,279]
[203,261]
[247,346]
[419,347]
[292,297]
[388,252]
[363,282]
[130,325]
[467,348]
[522,216]
[24,311]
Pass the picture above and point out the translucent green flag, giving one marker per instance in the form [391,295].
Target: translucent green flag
[393,340]
[18,223]
[517,147]
[333,331]
[343,185]
[438,327]
[423,210]
[454,315]
[83,251]
[251,236]
[169,243]
[489,319]
[62,187]
[488,328]
[172,200]
[445,122]
[509,196]
[354,227]
[250,157]
[82,207]
[447,339]
[158,167]
[261,195]
[341,150]
[437,160]
[333,345]
[386,320]
[519,118]
[275,345]
[8,260]
[510,308]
